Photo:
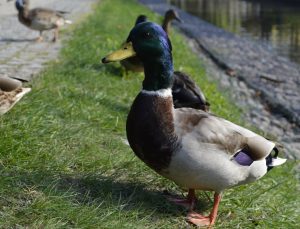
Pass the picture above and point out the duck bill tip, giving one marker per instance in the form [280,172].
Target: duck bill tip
[125,52]
[104,60]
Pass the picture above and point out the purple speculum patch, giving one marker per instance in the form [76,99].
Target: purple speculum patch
[243,158]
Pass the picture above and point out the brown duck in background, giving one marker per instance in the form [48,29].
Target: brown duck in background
[11,91]
[170,15]
[40,19]
[185,91]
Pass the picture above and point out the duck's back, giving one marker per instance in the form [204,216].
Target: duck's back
[45,19]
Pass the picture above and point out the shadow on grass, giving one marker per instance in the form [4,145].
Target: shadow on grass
[133,194]
[97,189]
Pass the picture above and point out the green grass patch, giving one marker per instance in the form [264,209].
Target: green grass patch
[63,163]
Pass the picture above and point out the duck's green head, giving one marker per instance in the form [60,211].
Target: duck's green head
[151,44]
[149,41]
[146,40]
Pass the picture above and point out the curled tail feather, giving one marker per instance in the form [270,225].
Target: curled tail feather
[274,160]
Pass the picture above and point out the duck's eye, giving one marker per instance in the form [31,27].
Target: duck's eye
[147,35]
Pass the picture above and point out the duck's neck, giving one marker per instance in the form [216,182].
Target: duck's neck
[158,73]
[23,8]
[166,24]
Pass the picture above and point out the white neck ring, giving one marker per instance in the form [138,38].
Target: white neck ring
[164,93]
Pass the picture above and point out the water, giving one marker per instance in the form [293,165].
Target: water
[273,21]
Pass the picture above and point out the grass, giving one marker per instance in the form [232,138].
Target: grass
[63,163]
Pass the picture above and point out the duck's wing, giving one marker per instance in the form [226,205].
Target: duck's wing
[45,18]
[186,93]
[205,128]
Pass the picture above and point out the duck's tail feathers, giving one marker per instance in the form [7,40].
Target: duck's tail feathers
[274,160]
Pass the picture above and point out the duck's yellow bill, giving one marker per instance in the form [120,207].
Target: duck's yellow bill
[125,52]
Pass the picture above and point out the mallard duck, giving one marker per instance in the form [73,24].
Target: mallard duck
[41,19]
[185,91]
[11,91]
[195,149]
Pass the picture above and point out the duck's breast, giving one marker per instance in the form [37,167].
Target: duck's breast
[150,130]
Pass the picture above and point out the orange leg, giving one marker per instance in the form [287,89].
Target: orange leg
[40,38]
[200,220]
[188,202]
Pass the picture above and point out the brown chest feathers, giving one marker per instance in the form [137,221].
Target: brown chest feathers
[23,18]
[150,130]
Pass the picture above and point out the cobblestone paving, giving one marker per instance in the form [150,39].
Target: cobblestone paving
[20,56]
[266,85]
